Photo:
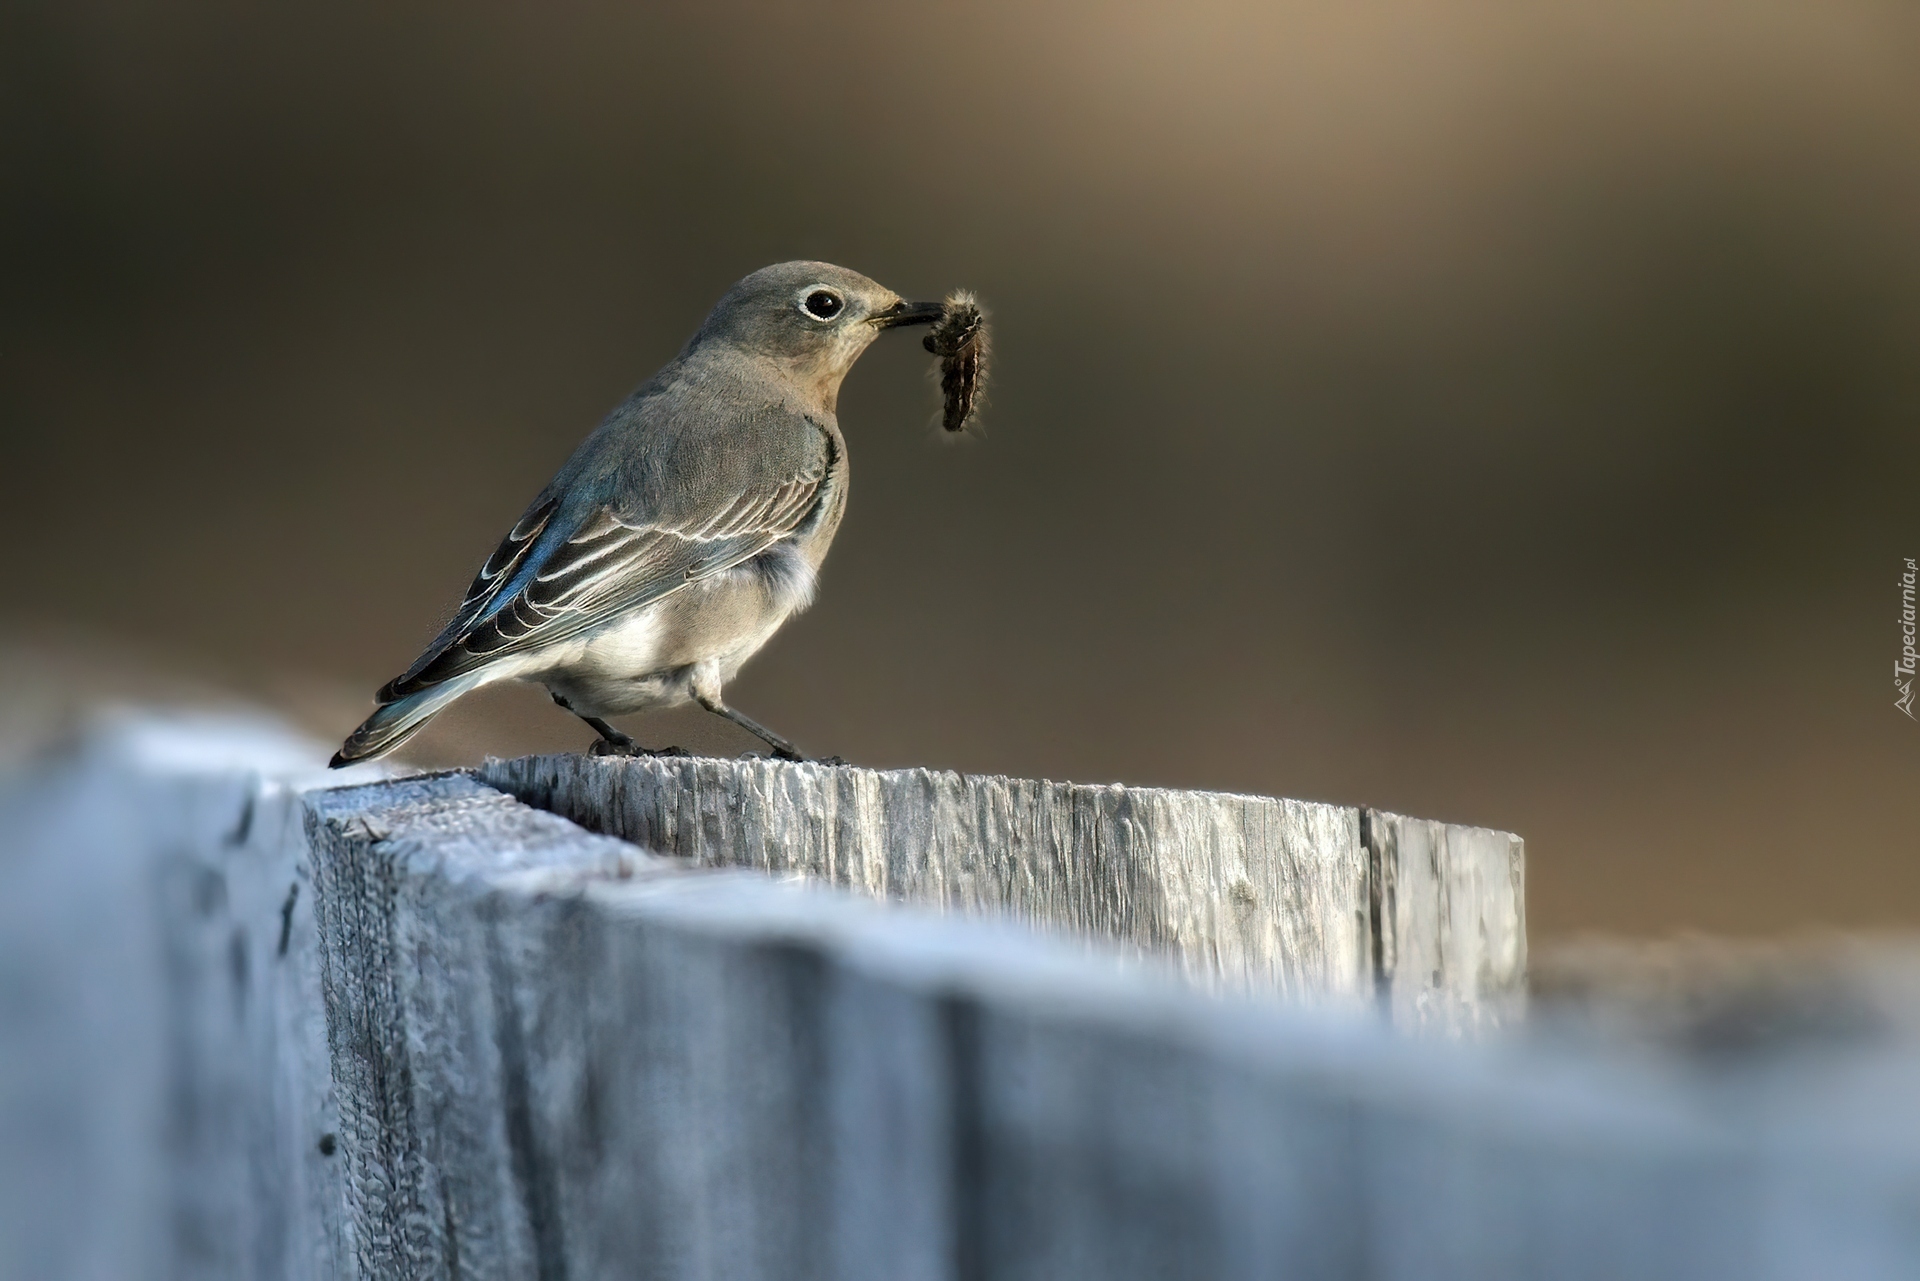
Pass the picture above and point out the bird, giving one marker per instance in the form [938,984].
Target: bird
[682,532]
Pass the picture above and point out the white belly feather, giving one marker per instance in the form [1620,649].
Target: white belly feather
[650,657]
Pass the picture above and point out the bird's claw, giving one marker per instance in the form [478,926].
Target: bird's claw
[613,747]
[794,758]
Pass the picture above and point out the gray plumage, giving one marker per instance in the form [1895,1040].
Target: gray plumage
[681,533]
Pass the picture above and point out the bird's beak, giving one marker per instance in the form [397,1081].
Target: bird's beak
[907,313]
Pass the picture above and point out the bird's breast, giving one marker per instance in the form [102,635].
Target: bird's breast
[642,659]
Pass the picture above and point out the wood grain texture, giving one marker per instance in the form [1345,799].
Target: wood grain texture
[559,1058]
[1245,891]
[430,1117]
[1450,921]
[541,1052]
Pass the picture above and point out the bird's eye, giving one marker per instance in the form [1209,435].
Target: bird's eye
[823,304]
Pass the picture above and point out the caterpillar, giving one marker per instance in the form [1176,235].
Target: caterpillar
[960,340]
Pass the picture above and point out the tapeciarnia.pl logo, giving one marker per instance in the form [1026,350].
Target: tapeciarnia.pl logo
[1903,666]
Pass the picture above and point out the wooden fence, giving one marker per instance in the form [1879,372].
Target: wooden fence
[260,1025]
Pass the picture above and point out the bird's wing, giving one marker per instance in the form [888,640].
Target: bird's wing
[557,575]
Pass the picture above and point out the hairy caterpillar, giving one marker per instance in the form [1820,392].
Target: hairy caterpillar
[960,340]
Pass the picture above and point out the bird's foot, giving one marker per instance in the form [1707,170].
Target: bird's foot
[624,746]
[775,754]
[794,758]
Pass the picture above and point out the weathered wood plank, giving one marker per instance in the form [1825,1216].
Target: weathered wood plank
[165,1105]
[1450,920]
[430,1115]
[547,1070]
[1255,892]
[1249,889]
[705,1074]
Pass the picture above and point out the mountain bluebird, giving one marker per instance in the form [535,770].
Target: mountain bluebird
[681,533]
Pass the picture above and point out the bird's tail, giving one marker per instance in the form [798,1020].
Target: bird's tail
[394,723]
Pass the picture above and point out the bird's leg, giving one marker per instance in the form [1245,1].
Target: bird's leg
[612,742]
[781,747]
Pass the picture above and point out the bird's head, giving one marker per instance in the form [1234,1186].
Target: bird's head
[808,320]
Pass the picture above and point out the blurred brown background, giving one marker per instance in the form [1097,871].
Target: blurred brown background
[1503,412]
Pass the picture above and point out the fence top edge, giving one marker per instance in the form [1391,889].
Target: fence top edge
[228,743]
[504,768]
